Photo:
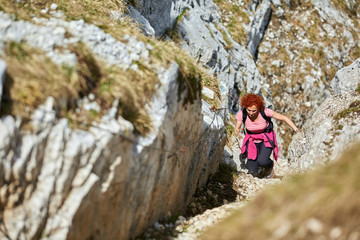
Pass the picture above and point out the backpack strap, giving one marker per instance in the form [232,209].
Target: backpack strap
[268,119]
[264,116]
[244,113]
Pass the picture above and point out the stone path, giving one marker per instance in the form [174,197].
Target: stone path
[245,186]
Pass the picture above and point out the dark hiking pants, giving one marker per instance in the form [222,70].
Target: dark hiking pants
[262,160]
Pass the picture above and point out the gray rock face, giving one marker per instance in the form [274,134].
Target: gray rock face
[160,14]
[347,78]
[49,33]
[143,22]
[59,183]
[2,77]
[306,43]
[277,3]
[207,40]
[258,26]
[327,11]
[325,136]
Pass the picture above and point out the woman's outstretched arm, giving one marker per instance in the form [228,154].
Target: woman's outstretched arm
[284,118]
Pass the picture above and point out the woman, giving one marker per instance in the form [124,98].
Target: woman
[260,138]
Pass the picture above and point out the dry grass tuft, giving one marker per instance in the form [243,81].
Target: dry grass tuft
[87,72]
[133,89]
[32,77]
[75,9]
[329,195]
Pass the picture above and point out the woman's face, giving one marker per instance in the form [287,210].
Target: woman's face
[252,110]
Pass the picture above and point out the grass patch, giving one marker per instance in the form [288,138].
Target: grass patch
[339,127]
[354,53]
[210,82]
[87,72]
[89,10]
[133,89]
[313,29]
[229,130]
[236,30]
[189,79]
[31,77]
[354,107]
[351,11]
[235,23]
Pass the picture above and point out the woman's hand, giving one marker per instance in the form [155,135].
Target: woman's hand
[237,128]
[284,118]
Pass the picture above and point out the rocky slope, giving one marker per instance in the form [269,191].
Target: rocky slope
[304,45]
[294,47]
[196,26]
[334,125]
[298,46]
[327,206]
[59,182]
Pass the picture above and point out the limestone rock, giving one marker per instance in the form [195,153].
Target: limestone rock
[160,14]
[328,12]
[277,3]
[208,92]
[327,134]
[347,79]
[258,26]
[317,24]
[207,40]
[143,22]
[58,183]
[2,78]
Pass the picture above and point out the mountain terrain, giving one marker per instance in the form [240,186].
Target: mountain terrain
[117,118]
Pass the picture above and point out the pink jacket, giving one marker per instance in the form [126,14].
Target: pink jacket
[252,152]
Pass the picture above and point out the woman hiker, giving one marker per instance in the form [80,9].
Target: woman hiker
[259,140]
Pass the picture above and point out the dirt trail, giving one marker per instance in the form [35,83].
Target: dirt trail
[223,195]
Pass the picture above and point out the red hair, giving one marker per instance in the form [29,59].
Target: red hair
[251,99]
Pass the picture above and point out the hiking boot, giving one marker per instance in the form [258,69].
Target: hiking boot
[272,174]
